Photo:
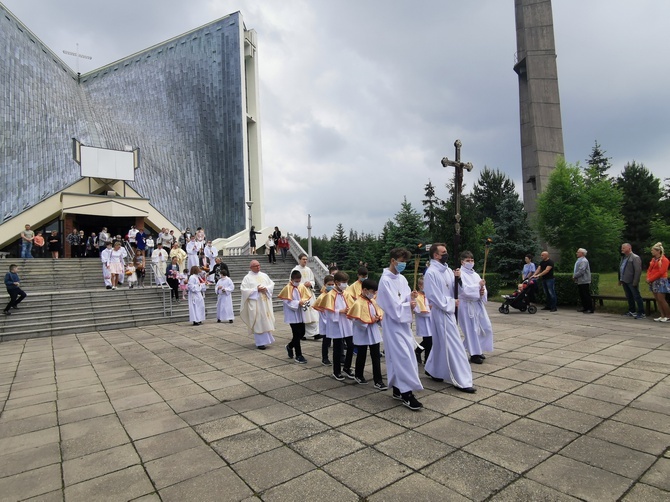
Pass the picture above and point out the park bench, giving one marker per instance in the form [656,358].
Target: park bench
[647,301]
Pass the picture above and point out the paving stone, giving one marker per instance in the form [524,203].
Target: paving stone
[194,402]
[314,485]
[537,392]
[127,484]
[371,430]
[29,459]
[207,414]
[185,464]
[90,436]
[312,402]
[98,464]
[643,418]
[539,434]
[150,420]
[659,474]
[296,428]
[414,449]
[85,412]
[272,468]
[25,425]
[442,403]
[234,392]
[508,453]
[30,483]
[327,446]
[338,414]
[245,445]
[566,419]
[456,472]
[170,393]
[589,406]
[452,431]
[167,443]
[223,427]
[217,485]
[54,496]
[270,414]
[513,404]
[20,402]
[608,394]
[29,411]
[525,490]
[485,417]
[581,480]
[646,493]
[562,384]
[366,471]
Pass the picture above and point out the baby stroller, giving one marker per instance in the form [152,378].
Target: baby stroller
[520,299]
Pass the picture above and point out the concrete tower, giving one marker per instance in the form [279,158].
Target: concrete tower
[539,103]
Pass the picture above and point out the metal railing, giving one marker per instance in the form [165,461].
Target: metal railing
[315,264]
[165,290]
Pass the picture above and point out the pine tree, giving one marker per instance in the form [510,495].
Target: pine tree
[431,205]
[339,246]
[489,191]
[408,229]
[597,164]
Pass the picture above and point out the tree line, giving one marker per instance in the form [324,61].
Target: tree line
[581,207]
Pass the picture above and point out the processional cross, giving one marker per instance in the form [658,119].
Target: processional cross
[458,188]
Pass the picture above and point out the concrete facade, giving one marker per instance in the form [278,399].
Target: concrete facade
[539,103]
[190,104]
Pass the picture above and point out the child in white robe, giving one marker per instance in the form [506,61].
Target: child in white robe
[422,323]
[472,316]
[224,300]
[366,317]
[295,297]
[196,302]
[328,285]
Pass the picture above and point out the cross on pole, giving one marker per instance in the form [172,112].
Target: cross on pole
[77,55]
[458,188]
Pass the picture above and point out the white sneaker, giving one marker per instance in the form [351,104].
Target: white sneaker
[660,319]
[664,319]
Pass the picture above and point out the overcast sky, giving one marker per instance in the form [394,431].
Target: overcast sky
[360,99]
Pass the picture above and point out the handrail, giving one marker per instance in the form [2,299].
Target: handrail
[316,265]
[165,289]
[129,249]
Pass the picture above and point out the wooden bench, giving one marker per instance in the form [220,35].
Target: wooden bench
[647,301]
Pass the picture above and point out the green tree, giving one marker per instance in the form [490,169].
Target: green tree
[339,246]
[573,213]
[489,191]
[641,202]
[407,228]
[431,207]
[597,164]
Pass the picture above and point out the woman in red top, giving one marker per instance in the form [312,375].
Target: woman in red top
[657,278]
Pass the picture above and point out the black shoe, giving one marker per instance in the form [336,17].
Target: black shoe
[15,307]
[381,386]
[326,362]
[411,402]
[338,377]
[468,390]
[304,338]
[396,394]
[476,359]
[318,337]
[108,287]
[348,373]
[6,312]
[434,378]
[301,360]
[218,320]
[360,380]
[196,324]
[289,351]
[261,347]
[230,322]
[418,352]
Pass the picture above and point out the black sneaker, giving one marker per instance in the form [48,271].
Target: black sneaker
[360,380]
[412,403]
[435,379]
[339,377]
[381,386]
[396,394]
[326,362]
[476,359]
[289,351]
[301,360]
[349,373]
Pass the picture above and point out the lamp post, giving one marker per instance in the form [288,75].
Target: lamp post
[309,235]
[458,188]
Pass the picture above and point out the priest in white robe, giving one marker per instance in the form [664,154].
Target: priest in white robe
[192,249]
[224,298]
[104,258]
[210,255]
[472,316]
[397,301]
[159,258]
[310,316]
[448,360]
[196,302]
[256,311]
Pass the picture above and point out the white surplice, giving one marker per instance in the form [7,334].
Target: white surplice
[256,311]
[192,249]
[106,274]
[159,258]
[196,302]
[472,316]
[310,316]
[393,297]
[447,359]
[224,299]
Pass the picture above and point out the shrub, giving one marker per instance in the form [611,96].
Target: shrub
[566,289]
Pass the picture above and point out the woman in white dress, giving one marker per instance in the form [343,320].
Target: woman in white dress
[115,263]
[196,302]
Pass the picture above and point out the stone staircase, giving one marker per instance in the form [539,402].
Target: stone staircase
[68,296]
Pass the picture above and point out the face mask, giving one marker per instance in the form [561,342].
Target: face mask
[362,279]
[329,288]
[343,286]
[369,296]
[444,258]
[296,284]
[468,264]
[400,266]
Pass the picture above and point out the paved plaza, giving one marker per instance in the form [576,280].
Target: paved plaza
[569,407]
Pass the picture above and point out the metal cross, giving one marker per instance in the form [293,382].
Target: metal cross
[458,188]
[77,55]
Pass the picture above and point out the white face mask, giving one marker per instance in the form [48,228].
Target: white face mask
[296,284]
[369,296]
[468,265]
[343,285]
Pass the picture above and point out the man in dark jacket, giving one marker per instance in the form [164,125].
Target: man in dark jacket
[630,270]
[13,285]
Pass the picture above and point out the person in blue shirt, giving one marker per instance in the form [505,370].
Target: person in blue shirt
[13,285]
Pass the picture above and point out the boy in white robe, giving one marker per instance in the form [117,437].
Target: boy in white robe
[256,311]
[328,285]
[472,316]
[192,253]
[448,360]
[159,258]
[311,316]
[196,302]
[366,317]
[104,258]
[224,300]
[210,255]
[295,297]
[397,301]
